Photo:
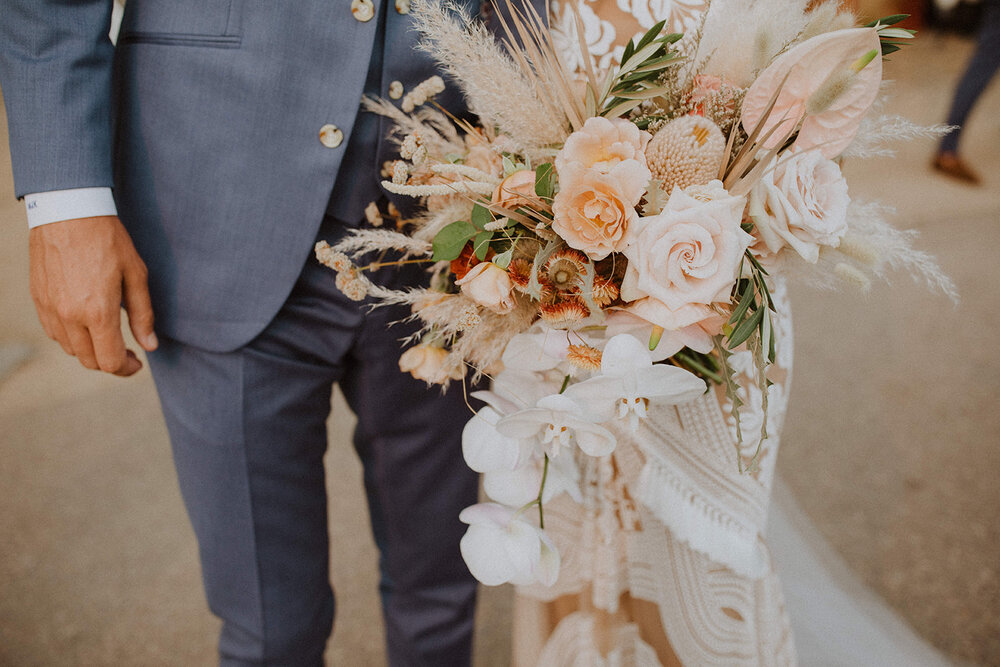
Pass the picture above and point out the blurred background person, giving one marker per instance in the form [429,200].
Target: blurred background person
[978,74]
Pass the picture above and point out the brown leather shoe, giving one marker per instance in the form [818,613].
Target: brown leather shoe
[952,166]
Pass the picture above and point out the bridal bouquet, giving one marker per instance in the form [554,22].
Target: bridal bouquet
[602,240]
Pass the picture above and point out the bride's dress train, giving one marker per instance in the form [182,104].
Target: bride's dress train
[665,560]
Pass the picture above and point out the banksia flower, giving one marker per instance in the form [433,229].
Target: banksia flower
[686,151]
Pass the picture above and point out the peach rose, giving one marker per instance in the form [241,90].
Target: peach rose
[489,286]
[593,211]
[603,144]
[426,362]
[818,83]
[802,202]
[518,189]
[687,257]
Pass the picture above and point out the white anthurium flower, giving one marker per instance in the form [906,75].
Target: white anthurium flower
[484,448]
[520,486]
[629,380]
[557,421]
[500,547]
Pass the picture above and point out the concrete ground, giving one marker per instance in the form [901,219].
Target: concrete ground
[891,446]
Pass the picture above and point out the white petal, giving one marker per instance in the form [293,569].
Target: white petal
[484,551]
[524,424]
[594,440]
[547,570]
[484,448]
[564,477]
[623,354]
[487,514]
[516,487]
[669,384]
[523,549]
[596,396]
[501,404]
[535,351]
[559,403]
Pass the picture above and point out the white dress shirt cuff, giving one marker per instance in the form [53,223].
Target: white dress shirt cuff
[58,205]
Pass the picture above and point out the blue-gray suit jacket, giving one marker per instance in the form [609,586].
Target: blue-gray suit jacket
[206,121]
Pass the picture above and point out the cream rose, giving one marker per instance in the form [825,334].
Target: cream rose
[593,211]
[518,189]
[801,202]
[489,286]
[687,257]
[603,144]
[426,362]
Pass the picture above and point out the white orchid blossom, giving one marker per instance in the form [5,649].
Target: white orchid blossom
[500,547]
[520,486]
[484,448]
[629,380]
[557,421]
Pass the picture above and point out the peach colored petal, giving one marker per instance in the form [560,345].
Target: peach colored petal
[808,66]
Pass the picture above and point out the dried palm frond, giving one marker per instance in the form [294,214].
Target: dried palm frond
[501,87]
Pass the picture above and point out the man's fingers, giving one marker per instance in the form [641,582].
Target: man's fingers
[59,333]
[139,307]
[109,346]
[82,346]
[132,364]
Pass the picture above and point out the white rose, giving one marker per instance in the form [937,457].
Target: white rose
[801,202]
[489,286]
[688,255]
[426,362]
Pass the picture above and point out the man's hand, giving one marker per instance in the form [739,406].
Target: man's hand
[82,271]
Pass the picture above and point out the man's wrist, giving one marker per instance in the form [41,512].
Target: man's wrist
[59,205]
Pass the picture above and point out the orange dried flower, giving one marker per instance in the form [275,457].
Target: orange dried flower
[564,311]
[605,291]
[584,356]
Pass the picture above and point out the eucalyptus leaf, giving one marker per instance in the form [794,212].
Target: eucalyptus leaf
[481,216]
[545,184]
[448,242]
[481,244]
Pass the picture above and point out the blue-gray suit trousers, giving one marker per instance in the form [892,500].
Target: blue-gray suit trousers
[248,432]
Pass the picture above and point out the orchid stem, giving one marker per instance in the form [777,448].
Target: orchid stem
[541,490]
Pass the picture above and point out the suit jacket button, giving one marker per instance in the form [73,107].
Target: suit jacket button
[331,136]
[402,6]
[363,10]
[395,90]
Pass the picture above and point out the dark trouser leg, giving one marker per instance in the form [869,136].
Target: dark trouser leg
[409,439]
[981,69]
[248,433]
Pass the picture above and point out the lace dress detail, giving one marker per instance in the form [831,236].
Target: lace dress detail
[664,560]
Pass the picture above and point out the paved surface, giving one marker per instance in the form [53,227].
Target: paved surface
[891,446]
